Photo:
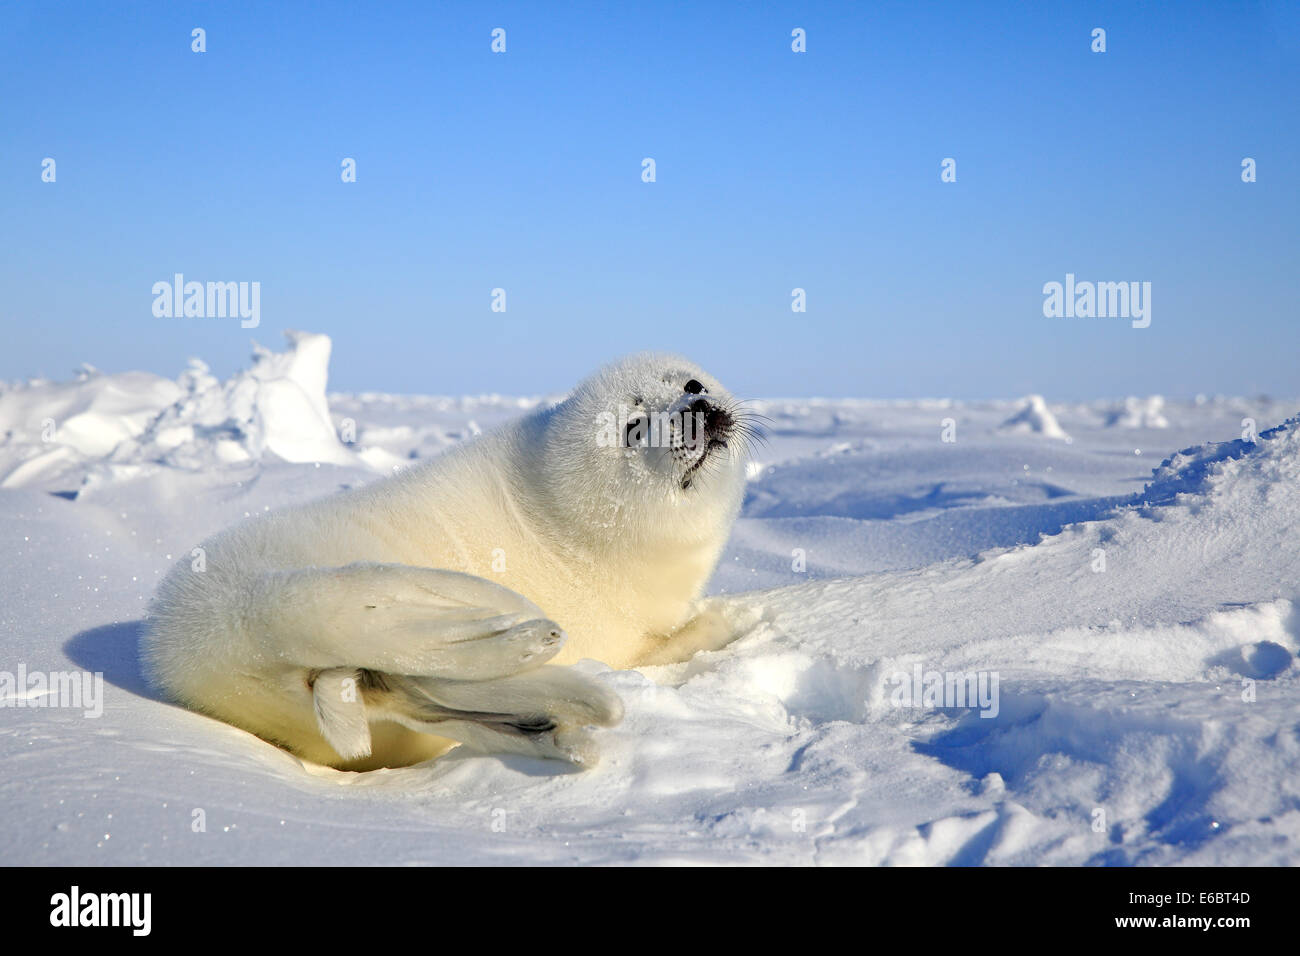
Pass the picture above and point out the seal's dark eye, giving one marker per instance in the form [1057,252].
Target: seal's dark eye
[695,387]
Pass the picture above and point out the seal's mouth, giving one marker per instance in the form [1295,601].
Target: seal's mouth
[713,428]
[695,466]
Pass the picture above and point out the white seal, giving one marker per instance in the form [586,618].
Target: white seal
[379,626]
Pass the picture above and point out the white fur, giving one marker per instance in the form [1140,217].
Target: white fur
[297,612]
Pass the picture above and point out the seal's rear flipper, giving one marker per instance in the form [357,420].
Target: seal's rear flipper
[341,711]
[546,712]
[565,695]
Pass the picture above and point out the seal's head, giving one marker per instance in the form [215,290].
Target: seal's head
[652,438]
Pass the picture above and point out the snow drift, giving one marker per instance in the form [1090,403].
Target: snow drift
[1139,413]
[1036,418]
[276,408]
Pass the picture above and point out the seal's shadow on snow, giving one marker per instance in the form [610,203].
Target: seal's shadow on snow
[114,650]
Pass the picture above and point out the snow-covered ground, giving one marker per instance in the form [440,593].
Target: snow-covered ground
[1136,620]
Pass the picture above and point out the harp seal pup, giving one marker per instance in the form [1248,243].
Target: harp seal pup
[382,625]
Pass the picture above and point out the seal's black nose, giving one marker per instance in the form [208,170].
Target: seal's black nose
[715,420]
[694,387]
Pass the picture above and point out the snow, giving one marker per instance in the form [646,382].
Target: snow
[1133,592]
[1035,418]
[1139,413]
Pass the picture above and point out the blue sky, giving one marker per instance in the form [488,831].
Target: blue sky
[775,170]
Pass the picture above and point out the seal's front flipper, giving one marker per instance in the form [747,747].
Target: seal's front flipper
[707,631]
